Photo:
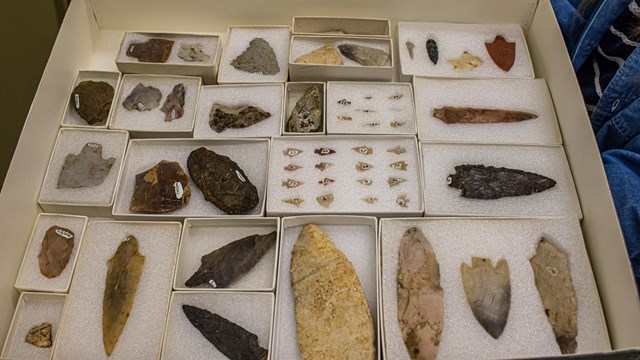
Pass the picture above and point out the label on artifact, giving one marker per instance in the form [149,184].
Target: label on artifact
[240,176]
[93,145]
[64,234]
[77,99]
[177,186]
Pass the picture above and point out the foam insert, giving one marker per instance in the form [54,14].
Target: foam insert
[201,238]
[527,332]
[267,97]
[302,45]
[71,117]
[238,42]
[141,338]
[32,310]
[71,141]
[347,191]
[530,95]
[453,40]
[209,46]
[294,91]
[251,155]
[439,161]
[252,311]
[30,277]
[387,109]
[357,242]
[153,120]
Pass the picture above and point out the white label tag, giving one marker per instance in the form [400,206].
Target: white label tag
[63,233]
[141,107]
[77,98]
[93,145]
[177,186]
[131,48]
[240,176]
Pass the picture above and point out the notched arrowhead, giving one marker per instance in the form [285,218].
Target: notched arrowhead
[222,266]
[85,169]
[488,291]
[502,52]
[553,281]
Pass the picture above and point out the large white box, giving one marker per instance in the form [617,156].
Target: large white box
[90,36]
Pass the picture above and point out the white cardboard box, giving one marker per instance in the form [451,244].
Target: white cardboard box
[70,118]
[90,37]
[318,25]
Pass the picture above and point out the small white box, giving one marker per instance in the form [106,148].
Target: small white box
[81,334]
[293,92]
[391,108]
[440,159]
[70,118]
[202,236]
[268,97]
[342,179]
[32,310]
[251,155]
[30,278]
[356,237]
[452,41]
[350,70]
[153,123]
[92,200]
[351,26]
[252,311]
[238,39]
[175,65]
[528,95]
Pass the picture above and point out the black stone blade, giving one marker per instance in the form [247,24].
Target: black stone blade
[222,266]
[234,341]
[488,182]
[432,50]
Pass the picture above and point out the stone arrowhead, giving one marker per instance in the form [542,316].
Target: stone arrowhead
[259,57]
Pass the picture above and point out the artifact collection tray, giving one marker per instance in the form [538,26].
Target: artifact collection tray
[165,285]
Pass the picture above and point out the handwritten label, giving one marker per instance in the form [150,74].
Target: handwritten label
[177,186]
[240,176]
[93,145]
[64,234]
[77,98]
[131,48]
[140,107]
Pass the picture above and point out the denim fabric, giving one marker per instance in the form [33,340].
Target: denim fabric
[616,119]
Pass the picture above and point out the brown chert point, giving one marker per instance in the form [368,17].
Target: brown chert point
[332,315]
[154,50]
[91,100]
[222,182]
[163,188]
[465,115]
[57,246]
[173,107]
[502,52]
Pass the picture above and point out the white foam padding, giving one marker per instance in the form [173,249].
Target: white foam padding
[267,97]
[527,332]
[33,310]
[379,97]
[358,244]
[202,239]
[439,161]
[347,191]
[252,311]
[141,337]
[302,45]
[453,40]
[295,91]
[251,156]
[238,42]
[153,120]
[71,117]
[72,141]
[529,95]
[209,46]
[30,276]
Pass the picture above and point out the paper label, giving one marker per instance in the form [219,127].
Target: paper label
[77,99]
[240,176]
[64,234]
[93,145]
[177,186]
[141,107]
